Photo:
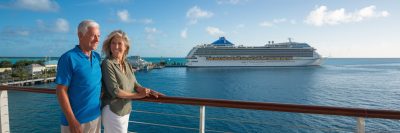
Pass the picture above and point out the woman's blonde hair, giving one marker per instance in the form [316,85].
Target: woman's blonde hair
[110,37]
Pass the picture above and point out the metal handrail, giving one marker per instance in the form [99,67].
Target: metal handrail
[297,108]
[173,126]
[240,120]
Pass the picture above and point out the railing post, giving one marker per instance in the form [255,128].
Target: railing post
[360,125]
[202,119]
[4,119]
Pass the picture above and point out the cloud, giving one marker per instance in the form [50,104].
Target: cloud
[114,1]
[215,32]
[240,26]
[273,22]
[40,23]
[22,32]
[33,5]
[266,24]
[151,30]
[61,25]
[293,21]
[232,2]
[322,16]
[10,31]
[151,36]
[281,20]
[184,33]
[123,16]
[146,21]
[195,13]
[28,39]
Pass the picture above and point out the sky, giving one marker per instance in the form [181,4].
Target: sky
[170,28]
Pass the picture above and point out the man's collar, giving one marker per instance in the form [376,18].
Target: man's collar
[81,54]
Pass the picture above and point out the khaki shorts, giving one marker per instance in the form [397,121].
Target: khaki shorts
[90,127]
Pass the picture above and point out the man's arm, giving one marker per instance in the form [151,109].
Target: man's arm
[63,100]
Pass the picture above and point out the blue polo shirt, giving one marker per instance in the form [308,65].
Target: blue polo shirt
[83,79]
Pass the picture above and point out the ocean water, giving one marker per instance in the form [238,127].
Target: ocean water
[361,83]
[166,59]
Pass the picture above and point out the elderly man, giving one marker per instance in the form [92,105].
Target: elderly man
[79,82]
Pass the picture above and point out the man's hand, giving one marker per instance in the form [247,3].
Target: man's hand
[62,96]
[75,127]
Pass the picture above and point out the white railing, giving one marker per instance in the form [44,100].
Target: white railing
[4,118]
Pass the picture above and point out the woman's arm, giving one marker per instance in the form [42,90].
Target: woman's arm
[112,86]
[152,92]
[128,95]
[140,89]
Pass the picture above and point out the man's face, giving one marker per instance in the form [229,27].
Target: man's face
[91,39]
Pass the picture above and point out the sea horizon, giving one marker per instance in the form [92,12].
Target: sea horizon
[185,57]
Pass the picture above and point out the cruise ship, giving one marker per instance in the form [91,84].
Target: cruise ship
[226,54]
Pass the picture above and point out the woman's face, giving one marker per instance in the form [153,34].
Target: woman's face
[118,47]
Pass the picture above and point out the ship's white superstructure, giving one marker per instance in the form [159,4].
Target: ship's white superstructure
[224,53]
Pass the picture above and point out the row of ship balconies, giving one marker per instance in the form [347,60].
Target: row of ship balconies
[250,58]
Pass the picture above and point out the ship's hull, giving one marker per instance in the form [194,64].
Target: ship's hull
[203,62]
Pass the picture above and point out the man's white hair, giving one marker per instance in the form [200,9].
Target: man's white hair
[83,26]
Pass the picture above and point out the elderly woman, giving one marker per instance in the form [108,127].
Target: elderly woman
[119,83]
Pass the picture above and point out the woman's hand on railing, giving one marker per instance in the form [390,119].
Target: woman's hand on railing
[149,92]
[144,93]
[156,94]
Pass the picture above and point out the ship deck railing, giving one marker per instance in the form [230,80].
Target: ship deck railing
[358,113]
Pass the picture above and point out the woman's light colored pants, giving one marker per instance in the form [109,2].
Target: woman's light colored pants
[114,123]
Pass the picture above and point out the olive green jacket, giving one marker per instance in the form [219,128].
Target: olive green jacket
[115,80]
